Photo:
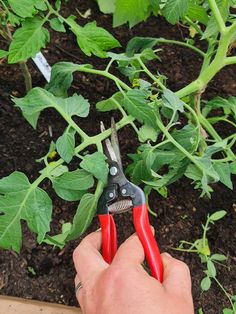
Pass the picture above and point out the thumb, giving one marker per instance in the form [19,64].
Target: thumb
[177,278]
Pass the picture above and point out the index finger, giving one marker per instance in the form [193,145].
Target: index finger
[87,258]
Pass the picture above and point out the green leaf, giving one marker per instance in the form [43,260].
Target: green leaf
[38,99]
[211,270]
[106,6]
[84,215]
[59,239]
[74,180]
[3,53]
[93,39]
[233,167]
[132,11]
[28,40]
[228,311]
[138,44]
[205,283]
[62,77]
[75,105]
[223,170]
[96,165]
[69,195]
[65,145]
[15,182]
[197,13]
[23,8]
[218,257]
[174,10]
[40,5]
[57,25]
[146,132]
[218,215]
[109,104]
[23,202]
[137,105]
[171,101]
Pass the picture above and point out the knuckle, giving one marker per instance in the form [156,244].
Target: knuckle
[180,265]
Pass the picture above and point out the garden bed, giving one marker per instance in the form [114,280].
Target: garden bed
[45,273]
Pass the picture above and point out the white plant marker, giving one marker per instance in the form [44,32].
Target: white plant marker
[42,65]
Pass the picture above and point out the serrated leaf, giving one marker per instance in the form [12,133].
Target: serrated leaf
[38,99]
[146,132]
[62,77]
[137,105]
[96,165]
[109,104]
[218,215]
[23,8]
[83,217]
[223,170]
[28,203]
[57,25]
[93,39]
[218,257]
[197,13]
[174,10]
[172,101]
[69,195]
[233,167]
[131,11]
[65,145]
[40,5]
[205,283]
[28,40]
[75,105]
[138,44]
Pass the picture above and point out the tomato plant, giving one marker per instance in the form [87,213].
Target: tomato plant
[24,26]
[176,129]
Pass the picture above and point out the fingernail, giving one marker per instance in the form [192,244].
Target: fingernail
[167,254]
[98,230]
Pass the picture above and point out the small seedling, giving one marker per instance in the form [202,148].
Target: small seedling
[201,247]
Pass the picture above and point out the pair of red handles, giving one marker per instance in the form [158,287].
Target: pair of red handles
[144,232]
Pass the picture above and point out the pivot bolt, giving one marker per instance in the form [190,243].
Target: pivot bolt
[124,191]
[111,195]
[113,171]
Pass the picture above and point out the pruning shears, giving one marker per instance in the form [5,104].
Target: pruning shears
[121,195]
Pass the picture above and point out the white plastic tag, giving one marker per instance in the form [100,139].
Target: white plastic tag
[42,65]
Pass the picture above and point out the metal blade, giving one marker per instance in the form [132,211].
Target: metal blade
[115,143]
[108,149]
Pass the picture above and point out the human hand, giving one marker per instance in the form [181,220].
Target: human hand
[124,287]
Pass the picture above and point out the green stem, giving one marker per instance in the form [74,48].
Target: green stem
[210,129]
[216,12]
[225,292]
[230,60]
[180,43]
[27,76]
[180,148]
[205,228]
[158,81]
[70,121]
[194,25]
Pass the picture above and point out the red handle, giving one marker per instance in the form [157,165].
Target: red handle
[144,231]
[109,237]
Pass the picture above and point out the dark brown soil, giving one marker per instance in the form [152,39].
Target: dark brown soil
[179,215]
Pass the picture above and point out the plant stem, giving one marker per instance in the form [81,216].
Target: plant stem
[216,12]
[158,81]
[180,43]
[230,60]
[194,25]
[205,228]
[225,292]
[27,77]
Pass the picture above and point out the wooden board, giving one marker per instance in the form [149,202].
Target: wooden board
[10,305]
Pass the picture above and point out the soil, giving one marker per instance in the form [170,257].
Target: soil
[45,273]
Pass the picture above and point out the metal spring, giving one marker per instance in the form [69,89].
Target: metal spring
[120,206]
